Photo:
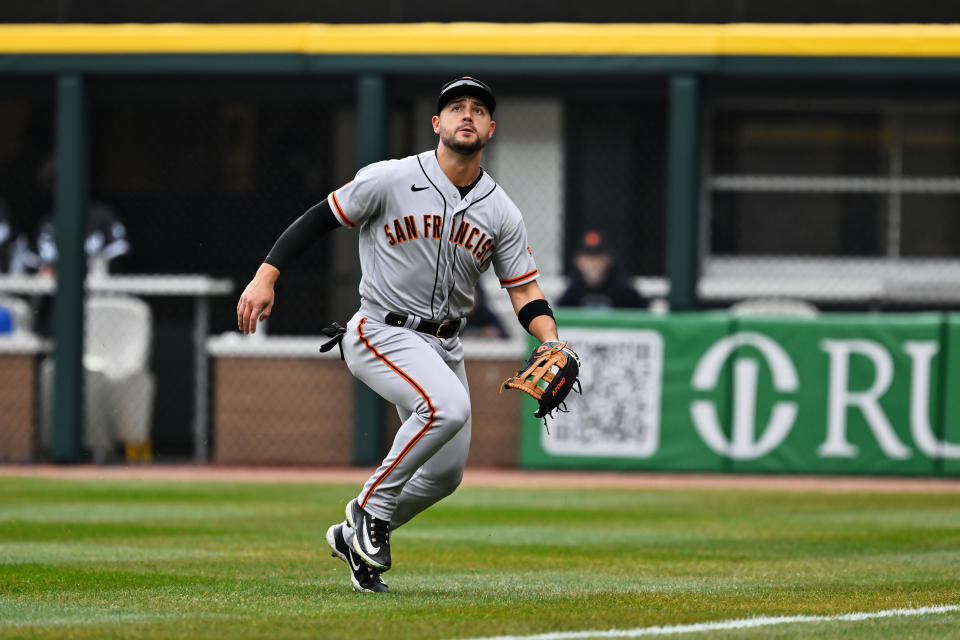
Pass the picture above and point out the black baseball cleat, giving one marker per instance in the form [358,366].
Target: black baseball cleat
[372,539]
[363,576]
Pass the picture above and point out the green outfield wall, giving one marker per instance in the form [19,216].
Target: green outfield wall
[839,393]
[690,57]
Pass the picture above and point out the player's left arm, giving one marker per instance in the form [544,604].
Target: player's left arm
[533,311]
[553,363]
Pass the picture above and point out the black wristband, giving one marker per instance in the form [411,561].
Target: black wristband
[531,310]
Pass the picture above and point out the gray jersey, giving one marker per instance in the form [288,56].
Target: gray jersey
[422,247]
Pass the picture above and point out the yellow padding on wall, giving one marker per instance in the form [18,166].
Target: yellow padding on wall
[471,38]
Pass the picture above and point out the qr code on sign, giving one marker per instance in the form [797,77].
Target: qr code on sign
[618,414]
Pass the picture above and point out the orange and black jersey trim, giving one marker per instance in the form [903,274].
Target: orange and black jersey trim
[509,281]
[339,210]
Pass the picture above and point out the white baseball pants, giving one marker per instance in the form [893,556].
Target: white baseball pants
[426,379]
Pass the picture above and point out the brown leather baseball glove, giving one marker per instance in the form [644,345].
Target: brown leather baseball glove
[549,374]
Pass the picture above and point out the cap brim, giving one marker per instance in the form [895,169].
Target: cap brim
[471,90]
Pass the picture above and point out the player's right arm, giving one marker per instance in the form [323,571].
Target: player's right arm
[256,301]
[348,206]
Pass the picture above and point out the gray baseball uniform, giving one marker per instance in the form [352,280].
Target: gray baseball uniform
[422,250]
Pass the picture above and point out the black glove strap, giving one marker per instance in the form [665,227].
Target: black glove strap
[335,333]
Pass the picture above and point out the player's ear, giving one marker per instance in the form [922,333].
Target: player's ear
[436,123]
[493,125]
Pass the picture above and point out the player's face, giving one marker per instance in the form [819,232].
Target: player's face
[464,125]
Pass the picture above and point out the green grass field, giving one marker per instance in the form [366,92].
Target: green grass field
[151,559]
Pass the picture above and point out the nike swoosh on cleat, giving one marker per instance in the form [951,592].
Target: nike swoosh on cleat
[414,187]
[366,538]
[356,567]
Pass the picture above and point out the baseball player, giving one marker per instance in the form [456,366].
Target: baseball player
[429,225]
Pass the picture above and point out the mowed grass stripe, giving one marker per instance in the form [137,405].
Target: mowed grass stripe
[24,613]
[726,625]
[185,560]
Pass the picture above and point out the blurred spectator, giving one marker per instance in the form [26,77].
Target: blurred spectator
[6,237]
[15,254]
[482,322]
[106,237]
[597,281]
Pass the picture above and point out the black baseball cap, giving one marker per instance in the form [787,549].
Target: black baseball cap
[593,242]
[466,86]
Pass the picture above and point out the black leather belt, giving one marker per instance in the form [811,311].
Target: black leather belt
[439,329]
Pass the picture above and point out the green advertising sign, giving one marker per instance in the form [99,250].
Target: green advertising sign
[840,393]
[636,388]
[950,395]
[851,407]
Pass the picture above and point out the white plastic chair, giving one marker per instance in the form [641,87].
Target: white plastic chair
[774,307]
[119,388]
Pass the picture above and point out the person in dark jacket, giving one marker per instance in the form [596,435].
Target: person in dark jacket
[597,281]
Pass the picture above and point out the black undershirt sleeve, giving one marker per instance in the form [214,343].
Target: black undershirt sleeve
[305,230]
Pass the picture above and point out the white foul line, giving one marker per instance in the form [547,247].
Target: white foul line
[720,625]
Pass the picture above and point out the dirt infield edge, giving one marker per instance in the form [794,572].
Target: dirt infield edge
[495,478]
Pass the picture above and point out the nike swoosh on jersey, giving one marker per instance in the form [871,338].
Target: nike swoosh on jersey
[366,539]
[414,187]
